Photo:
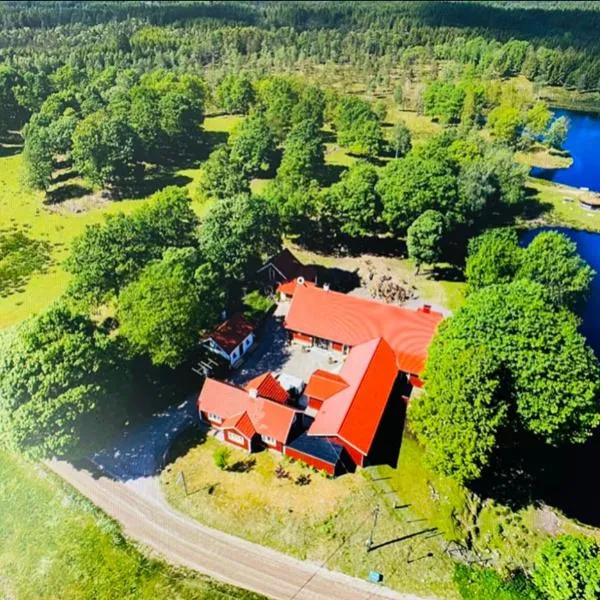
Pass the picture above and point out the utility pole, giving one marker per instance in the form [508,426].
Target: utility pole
[181,479]
[370,539]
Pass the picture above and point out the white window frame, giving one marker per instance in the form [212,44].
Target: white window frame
[232,436]
[215,418]
[270,441]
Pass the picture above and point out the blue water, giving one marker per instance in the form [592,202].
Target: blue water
[588,246]
[583,143]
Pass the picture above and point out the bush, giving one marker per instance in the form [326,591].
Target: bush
[221,458]
[476,583]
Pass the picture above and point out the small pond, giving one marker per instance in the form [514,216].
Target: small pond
[583,143]
[588,245]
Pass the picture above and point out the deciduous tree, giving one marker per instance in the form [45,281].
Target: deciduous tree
[425,237]
[60,378]
[568,567]
[164,311]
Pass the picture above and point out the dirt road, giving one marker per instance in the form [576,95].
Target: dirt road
[147,518]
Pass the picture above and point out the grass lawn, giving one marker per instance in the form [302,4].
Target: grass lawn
[560,212]
[54,544]
[326,521]
[499,534]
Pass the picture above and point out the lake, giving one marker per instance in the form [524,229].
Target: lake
[583,142]
[588,246]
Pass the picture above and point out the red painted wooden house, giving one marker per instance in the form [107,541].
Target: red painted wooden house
[246,419]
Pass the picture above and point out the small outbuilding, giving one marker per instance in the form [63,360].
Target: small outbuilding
[232,339]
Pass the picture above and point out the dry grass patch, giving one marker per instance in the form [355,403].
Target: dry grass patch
[327,521]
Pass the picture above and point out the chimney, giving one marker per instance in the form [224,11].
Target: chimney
[426,308]
[325,287]
[253,393]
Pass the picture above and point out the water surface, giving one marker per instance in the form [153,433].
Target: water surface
[583,143]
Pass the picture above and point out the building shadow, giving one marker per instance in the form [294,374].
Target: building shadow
[388,439]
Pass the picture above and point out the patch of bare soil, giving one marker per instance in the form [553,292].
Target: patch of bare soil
[379,282]
[547,520]
[82,204]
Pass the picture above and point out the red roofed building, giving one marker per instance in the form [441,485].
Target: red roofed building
[232,338]
[246,419]
[339,322]
[351,416]
[321,386]
[266,386]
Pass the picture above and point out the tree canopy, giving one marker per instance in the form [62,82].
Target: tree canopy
[61,379]
[164,311]
[568,566]
[424,239]
[107,256]
[549,379]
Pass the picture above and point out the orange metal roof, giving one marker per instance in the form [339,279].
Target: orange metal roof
[241,423]
[351,320]
[228,401]
[354,413]
[323,384]
[231,333]
[267,386]
[289,287]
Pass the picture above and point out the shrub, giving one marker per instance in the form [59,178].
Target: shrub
[221,458]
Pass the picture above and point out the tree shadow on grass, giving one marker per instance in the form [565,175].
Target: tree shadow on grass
[66,192]
[10,149]
[331,174]
[531,472]
[157,180]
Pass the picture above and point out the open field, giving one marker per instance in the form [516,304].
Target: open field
[326,521]
[55,544]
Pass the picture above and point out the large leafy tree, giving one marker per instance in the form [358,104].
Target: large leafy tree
[310,107]
[164,311]
[444,100]
[537,118]
[549,378]
[414,184]
[303,155]
[567,568]
[108,256]
[506,122]
[278,96]
[459,417]
[494,257]
[557,133]
[425,237]
[552,260]
[38,162]
[252,144]
[105,150]
[353,203]
[236,235]
[235,94]
[61,382]
[223,177]
[358,127]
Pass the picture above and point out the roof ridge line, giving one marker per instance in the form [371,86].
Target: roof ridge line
[380,339]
